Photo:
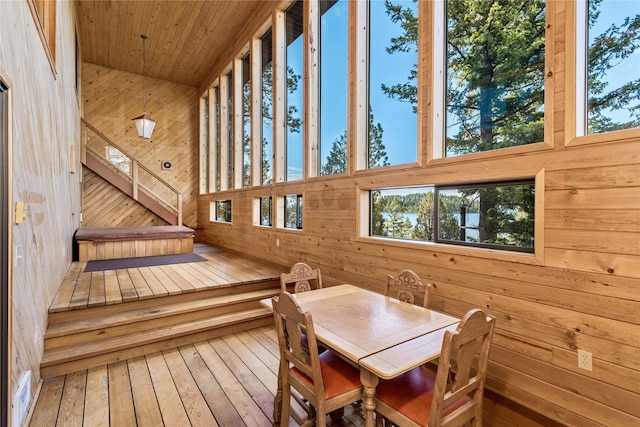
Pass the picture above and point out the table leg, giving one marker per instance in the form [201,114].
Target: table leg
[369,381]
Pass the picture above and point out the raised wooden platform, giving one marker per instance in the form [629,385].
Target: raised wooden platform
[105,316]
[97,243]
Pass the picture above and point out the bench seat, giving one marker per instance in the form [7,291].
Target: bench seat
[97,243]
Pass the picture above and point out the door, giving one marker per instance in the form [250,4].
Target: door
[5,217]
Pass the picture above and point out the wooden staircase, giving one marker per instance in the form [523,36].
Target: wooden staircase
[77,340]
[82,338]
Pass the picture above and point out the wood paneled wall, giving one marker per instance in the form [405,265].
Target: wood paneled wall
[103,205]
[44,132]
[111,99]
[580,291]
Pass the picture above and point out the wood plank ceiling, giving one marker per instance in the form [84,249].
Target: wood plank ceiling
[185,38]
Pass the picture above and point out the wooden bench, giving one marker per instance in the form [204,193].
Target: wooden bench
[96,243]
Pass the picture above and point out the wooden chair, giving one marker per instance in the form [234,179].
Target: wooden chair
[325,380]
[301,278]
[421,397]
[409,288]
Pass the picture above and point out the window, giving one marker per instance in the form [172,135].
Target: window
[215,128]
[499,216]
[246,120]
[334,27]
[266,44]
[495,75]
[265,211]
[223,210]
[402,213]
[611,63]
[44,13]
[393,72]
[204,145]
[293,211]
[230,129]
[494,215]
[294,85]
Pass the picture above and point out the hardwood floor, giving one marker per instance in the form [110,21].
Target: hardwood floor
[227,381]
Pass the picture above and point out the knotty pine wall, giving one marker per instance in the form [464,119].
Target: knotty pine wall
[105,206]
[580,291]
[44,132]
[111,99]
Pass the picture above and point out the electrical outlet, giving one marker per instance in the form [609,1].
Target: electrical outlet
[584,360]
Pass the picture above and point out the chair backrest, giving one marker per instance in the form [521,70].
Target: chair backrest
[301,278]
[408,287]
[292,324]
[471,341]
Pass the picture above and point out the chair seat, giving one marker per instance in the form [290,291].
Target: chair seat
[338,376]
[411,394]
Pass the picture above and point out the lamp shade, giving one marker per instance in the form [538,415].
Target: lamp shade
[144,126]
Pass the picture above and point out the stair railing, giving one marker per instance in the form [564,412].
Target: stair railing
[141,178]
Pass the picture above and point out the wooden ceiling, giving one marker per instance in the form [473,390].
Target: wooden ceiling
[184,38]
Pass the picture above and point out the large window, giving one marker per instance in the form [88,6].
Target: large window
[294,85]
[494,215]
[246,120]
[230,143]
[266,49]
[495,57]
[204,145]
[612,70]
[216,130]
[334,27]
[393,72]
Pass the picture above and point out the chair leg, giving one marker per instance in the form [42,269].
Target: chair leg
[286,405]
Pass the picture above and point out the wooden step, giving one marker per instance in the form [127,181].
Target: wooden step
[100,321]
[65,360]
[82,339]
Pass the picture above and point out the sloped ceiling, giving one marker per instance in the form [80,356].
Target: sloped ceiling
[184,38]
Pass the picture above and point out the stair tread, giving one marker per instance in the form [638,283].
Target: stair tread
[83,350]
[100,321]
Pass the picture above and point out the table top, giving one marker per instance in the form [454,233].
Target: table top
[360,323]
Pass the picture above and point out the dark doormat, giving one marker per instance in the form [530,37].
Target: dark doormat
[147,261]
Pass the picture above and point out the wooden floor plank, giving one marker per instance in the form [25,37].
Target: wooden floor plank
[121,408]
[111,288]
[171,407]
[73,400]
[127,290]
[237,394]
[96,290]
[154,284]
[142,288]
[46,410]
[221,406]
[80,295]
[195,405]
[245,376]
[96,407]
[184,285]
[171,286]
[146,405]
[187,275]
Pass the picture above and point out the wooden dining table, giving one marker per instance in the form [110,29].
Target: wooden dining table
[381,335]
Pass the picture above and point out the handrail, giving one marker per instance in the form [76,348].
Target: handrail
[134,173]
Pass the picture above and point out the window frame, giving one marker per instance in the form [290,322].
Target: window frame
[435,83]
[226,205]
[257,211]
[576,93]
[44,16]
